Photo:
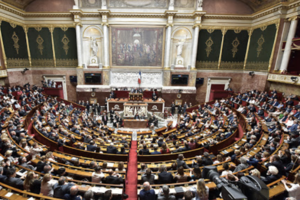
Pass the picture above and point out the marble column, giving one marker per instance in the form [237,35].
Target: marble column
[167,47]
[195,47]
[106,46]
[79,44]
[288,45]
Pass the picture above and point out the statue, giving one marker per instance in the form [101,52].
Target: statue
[180,46]
[94,47]
[171,3]
[199,4]
[76,3]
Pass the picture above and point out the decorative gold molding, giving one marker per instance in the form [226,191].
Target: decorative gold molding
[235,43]
[42,63]
[232,65]
[207,65]
[210,30]
[27,44]
[257,66]
[51,29]
[17,63]
[209,42]
[105,24]
[237,30]
[38,28]
[250,31]
[39,40]
[64,28]
[282,78]
[2,47]
[67,63]
[65,40]
[15,38]
[260,42]
[224,31]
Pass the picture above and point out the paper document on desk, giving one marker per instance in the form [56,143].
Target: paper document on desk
[110,164]
[117,191]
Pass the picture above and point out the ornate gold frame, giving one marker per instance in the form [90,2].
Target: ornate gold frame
[135,67]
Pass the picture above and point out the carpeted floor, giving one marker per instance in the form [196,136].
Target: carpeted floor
[131,186]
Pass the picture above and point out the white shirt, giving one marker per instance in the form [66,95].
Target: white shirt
[96,178]
[294,191]
[224,173]
[47,189]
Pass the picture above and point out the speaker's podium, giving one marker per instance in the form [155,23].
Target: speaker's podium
[135,97]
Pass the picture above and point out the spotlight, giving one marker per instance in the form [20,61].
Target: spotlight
[24,70]
[294,79]
[251,73]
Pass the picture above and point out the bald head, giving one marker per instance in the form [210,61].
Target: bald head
[146,186]
[74,190]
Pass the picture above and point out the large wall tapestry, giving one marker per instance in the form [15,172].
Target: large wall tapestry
[139,46]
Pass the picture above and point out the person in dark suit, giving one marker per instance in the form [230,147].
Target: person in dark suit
[206,160]
[180,162]
[275,161]
[12,180]
[112,94]
[148,177]
[112,179]
[98,108]
[61,188]
[136,116]
[173,108]
[111,149]
[91,147]
[112,113]
[272,175]
[154,97]
[165,177]
[104,119]
[144,151]
[2,177]
[87,106]
[179,109]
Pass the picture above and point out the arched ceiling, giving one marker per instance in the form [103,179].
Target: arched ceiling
[256,5]
[19,3]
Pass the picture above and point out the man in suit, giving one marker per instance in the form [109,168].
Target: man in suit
[173,108]
[136,116]
[112,113]
[154,97]
[294,127]
[98,108]
[91,147]
[87,106]
[155,147]
[2,177]
[179,109]
[206,160]
[104,119]
[111,149]
[61,188]
[165,177]
[147,193]
[144,151]
[12,180]
[112,178]
[148,177]
[181,163]
[275,161]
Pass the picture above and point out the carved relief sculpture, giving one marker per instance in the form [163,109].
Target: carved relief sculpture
[40,42]
[260,42]
[209,43]
[235,43]
[65,40]
[179,58]
[15,38]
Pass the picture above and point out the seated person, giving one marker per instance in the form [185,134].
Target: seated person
[12,180]
[272,175]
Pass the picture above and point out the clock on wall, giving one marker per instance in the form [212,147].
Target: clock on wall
[178,96]
[93,94]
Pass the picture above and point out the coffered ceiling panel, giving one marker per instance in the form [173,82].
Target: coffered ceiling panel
[257,5]
[19,3]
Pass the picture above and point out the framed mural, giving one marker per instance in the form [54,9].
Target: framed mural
[137,46]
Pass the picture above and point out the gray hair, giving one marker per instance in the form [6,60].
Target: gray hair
[243,160]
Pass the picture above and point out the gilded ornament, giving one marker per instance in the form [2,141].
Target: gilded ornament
[260,42]
[207,65]
[210,31]
[16,40]
[263,28]
[65,40]
[209,43]
[40,42]
[237,31]
[38,28]
[64,28]
[235,43]
[13,25]
[257,66]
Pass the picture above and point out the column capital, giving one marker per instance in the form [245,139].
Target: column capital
[293,18]
[76,12]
